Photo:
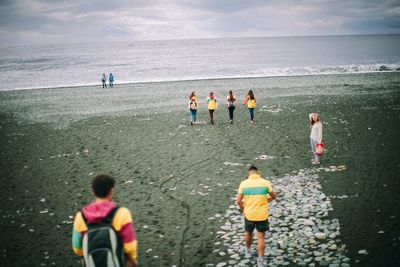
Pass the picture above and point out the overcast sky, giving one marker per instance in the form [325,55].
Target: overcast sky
[52,21]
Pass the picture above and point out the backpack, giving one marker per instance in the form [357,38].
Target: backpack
[102,246]
[193,105]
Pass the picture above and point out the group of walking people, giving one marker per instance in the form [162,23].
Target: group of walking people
[110,80]
[212,105]
[104,235]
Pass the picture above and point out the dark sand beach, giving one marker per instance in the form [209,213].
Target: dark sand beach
[175,177]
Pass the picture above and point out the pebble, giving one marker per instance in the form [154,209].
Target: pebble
[363,252]
[245,261]
[333,247]
[321,236]
[232,262]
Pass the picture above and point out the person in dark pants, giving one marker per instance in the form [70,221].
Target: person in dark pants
[104,80]
[231,104]
[253,197]
[212,106]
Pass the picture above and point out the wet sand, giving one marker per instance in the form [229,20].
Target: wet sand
[175,177]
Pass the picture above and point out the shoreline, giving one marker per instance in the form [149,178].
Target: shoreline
[201,79]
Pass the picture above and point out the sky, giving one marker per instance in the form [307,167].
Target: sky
[64,21]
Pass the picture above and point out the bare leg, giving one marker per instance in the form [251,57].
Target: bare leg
[248,238]
[261,243]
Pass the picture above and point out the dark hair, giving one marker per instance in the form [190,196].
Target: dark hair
[192,95]
[102,184]
[251,95]
[253,168]
[211,93]
[231,98]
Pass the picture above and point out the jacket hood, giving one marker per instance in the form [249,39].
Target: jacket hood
[96,211]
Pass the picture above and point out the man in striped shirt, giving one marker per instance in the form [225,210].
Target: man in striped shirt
[253,197]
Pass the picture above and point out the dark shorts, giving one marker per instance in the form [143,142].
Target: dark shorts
[261,226]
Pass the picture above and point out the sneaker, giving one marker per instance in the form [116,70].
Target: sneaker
[191,123]
[260,262]
[247,253]
[231,121]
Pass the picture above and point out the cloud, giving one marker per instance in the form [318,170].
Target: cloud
[49,21]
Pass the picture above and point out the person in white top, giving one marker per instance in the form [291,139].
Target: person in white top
[315,136]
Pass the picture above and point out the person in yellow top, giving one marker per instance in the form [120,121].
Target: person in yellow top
[253,197]
[102,229]
[250,100]
[212,105]
[193,106]
[231,104]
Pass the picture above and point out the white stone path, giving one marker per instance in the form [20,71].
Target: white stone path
[301,231]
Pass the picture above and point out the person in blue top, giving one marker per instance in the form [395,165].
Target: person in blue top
[111,80]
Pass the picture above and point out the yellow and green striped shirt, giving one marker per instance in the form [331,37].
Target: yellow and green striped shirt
[255,191]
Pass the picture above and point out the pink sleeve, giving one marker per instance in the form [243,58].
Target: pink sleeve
[128,233]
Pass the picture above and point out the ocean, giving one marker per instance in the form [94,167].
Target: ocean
[63,65]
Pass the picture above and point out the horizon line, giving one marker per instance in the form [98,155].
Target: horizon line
[201,38]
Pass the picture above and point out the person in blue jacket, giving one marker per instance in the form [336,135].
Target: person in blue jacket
[111,79]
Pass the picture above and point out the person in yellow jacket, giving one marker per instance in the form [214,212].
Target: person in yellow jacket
[250,100]
[212,105]
[96,212]
[193,106]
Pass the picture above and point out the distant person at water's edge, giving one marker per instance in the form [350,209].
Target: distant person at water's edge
[315,136]
[212,106]
[193,107]
[231,104]
[250,100]
[253,197]
[102,229]
[111,79]
[104,80]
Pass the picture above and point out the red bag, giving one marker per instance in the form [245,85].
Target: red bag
[319,149]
